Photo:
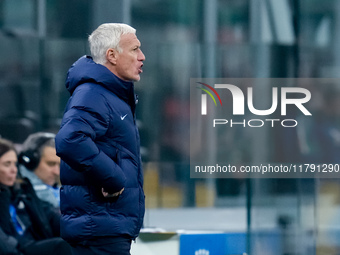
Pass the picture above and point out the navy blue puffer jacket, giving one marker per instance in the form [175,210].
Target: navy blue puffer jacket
[98,144]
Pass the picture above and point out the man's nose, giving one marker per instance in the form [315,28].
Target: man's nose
[56,170]
[141,56]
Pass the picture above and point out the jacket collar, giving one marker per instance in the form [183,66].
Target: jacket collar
[85,70]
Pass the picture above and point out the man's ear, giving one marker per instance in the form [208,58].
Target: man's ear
[111,56]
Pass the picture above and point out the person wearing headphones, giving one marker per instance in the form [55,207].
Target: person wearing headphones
[28,225]
[40,164]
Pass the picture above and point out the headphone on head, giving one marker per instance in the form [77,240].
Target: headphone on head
[30,158]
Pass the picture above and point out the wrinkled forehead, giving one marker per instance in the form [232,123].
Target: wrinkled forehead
[129,40]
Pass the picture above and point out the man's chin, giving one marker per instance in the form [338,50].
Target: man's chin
[136,79]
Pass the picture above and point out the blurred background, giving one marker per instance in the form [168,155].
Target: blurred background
[183,39]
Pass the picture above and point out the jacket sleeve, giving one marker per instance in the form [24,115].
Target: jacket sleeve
[86,119]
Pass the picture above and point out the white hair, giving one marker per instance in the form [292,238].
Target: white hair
[107,36]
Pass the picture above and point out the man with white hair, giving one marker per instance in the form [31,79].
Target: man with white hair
[102,198]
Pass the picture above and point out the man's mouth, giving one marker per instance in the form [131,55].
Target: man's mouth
[140,70]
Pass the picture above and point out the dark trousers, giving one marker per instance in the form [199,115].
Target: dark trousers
[51,246]
[118,246]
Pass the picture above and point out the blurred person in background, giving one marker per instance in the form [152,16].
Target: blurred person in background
[102,198]
[28,225]
[41,165]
